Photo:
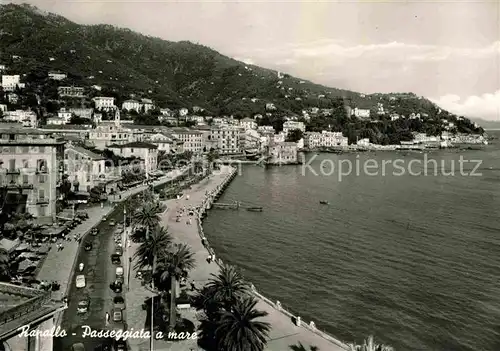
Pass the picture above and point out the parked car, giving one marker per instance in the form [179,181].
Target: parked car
[112,223]
[94,231]
[88,246]
[80,281]
[119,271]
[117,315]
[83,305]
[119,250]
[118,302]
[115,259]
[120,345]
[117,286]
[78,347]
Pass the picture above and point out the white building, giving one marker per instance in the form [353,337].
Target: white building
[279,138]
[104,103]
[192,139]
[283,153]
[226,139]
[130,105]
[361,113]
[145,151]
[57,75]
[11,82]
[146,105]
[84,167]
[183,112]
[326,139]
[164,142]
[65,115]
[262,129]
[55,121]
[288,126]
[270,107]
[248,123]
[82,112]
[26,118]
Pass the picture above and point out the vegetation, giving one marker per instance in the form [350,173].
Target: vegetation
[301,347]
[231,320]
[294,135]
[183,74]
[369,345]
[5,269]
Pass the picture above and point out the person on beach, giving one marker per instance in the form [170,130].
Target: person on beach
[209,259]
[107,318]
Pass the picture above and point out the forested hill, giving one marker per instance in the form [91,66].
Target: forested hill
[173,74]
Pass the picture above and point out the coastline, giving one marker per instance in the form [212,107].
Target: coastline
[276,306]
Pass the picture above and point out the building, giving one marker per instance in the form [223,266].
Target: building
[226,139]
[248,123]
[26,118]
[192,139]
[166,112]
[131,105]
[325,139]
[76,92]
[11,82]
[361,113]
[165,143]
[104,103]
[67,131]
[27,308]
[109,133]
[82,112]
[250,140]
[146,105]
[65,114]
[288,126]
[84,168]
[270,107]
[55,121]
[262,129]
[183,112]
[145,151]
[282,153]
[57,75]
[30,167]
[279,138]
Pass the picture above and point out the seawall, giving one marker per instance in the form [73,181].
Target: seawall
[207,204]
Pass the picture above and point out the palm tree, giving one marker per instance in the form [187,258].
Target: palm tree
[153,248]
[174,266]
[301,347]
[370,345]
[5,272]
[238,329]
[147,217]
[228,286]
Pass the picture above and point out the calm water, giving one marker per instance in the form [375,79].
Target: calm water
[413,260]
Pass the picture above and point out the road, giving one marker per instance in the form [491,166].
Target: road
[99,273]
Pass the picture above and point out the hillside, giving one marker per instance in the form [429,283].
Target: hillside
[173,74]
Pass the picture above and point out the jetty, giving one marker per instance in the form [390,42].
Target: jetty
[236,205]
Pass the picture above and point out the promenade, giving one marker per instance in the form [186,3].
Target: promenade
[283,334]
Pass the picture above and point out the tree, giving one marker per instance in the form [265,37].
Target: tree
[227,286]
[370,345]
[154,247]
[295,135]
[147,216]
[5,271]
[175,265]
[239,330]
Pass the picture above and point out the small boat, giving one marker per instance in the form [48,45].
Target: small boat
[255,209]
[323,202]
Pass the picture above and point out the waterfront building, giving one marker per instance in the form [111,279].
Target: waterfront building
[142,150]
[250,140]
[77,92]
[84,168]
[192,139]
[21,307]
[30,168]
[104,103]
[288,126]
[226,139]
[248,123]
[313,140]
[282,153]
[130,105]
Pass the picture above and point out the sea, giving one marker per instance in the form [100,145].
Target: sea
[408,252]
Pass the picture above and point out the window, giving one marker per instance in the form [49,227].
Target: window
[12,164]
[25,179]
[41,149]
[42,211]
[42,178]
[41,193]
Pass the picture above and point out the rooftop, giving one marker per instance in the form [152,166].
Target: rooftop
[65,126]
[88,153]
[135,144]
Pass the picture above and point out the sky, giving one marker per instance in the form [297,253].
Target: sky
[447,51]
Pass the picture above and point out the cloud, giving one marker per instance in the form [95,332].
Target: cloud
[486,106]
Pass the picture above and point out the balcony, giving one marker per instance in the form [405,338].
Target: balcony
[18,186]
[42,200]
[42,170]
[13,171]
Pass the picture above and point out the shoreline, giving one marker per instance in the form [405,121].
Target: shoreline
[205,206]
